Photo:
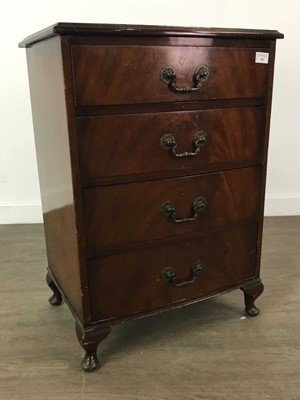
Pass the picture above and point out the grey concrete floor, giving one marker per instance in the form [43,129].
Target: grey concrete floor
[205,351]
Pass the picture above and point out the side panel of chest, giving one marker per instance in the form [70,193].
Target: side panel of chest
[51,129]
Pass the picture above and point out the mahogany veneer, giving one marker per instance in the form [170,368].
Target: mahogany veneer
[152,150]
[122,208]
[223,145]
[142,65]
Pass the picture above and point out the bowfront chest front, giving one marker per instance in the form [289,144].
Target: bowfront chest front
[152,150]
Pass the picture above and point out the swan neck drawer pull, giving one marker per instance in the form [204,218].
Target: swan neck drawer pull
[168,209]
[168,275]
[168,143]
[168,77]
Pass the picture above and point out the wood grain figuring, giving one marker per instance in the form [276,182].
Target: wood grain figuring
[119,207]
[112,146]
[233,73]
[135,279]
[47,87]
[131,212]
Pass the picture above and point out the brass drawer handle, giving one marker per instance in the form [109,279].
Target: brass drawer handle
[168,209]
[168,143]
[168,275]
[168,77]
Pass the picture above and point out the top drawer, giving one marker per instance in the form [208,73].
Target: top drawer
[123,74]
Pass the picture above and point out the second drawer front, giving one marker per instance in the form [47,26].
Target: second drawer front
[138,212]
[122,285]
[114,146]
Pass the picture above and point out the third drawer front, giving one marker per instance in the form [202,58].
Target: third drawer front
[122,285]
[118,145]
[138,212]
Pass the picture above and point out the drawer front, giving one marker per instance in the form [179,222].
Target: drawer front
[114,146]
[126,284]
[107,75]
[138,212]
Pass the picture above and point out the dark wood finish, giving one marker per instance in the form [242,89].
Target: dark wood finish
[135,278]
[152,244]
[47,91]
[251,293]
[208,168]
[79,29]
[56,298]
[74,156]
[89,339]
[142,65]
[100,110]
[112,146]
[168,41]
[131,212]
[265,152]
[167,107]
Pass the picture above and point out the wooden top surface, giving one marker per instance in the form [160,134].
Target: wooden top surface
[67,28]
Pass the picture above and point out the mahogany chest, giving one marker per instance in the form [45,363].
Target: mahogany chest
[152,151]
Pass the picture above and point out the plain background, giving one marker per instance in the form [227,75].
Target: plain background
[19,188]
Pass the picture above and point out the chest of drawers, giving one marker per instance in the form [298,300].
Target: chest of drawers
[152,150]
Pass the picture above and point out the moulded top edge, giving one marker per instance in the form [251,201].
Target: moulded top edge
[67,28]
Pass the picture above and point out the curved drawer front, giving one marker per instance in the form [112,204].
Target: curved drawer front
[138,212]
[114,146]
[122,285]
[107,75]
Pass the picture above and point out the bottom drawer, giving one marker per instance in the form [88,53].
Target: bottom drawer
[122,285]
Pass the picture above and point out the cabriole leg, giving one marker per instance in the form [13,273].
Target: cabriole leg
[89,339]
[56,298]
[251,293]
